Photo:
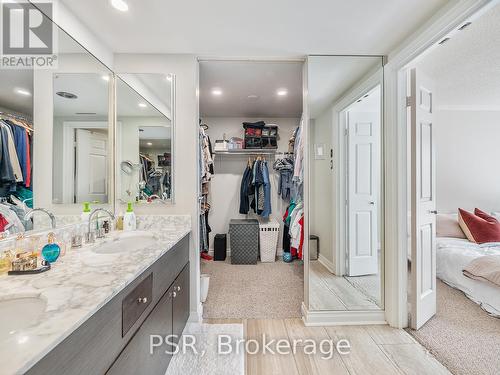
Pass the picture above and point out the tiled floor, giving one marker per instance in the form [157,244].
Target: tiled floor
[330,292]
[374,350]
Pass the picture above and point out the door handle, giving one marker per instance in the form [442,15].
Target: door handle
[434,212]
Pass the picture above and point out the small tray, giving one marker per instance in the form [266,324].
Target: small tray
[31,272]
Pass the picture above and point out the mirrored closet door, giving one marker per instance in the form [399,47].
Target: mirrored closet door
[345,189]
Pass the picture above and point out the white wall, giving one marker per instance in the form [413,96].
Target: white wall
[322,217]
[185,144]
[467,160]
[225,185]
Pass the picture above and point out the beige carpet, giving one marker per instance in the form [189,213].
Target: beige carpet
[266,290]
[461,336]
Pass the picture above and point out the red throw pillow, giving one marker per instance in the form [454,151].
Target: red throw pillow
[479,227]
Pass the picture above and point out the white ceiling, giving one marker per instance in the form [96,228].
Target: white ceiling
[329,77]
[255,28]
[92,92]
[239,79]
[10,79]
[466,69]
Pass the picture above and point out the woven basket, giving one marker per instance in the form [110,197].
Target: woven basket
[268,235]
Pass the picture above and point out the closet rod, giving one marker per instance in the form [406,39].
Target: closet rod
[247,152]
[17,117]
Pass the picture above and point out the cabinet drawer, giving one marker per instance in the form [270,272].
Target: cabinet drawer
[136,302]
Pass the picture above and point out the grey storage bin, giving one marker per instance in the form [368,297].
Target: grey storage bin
[244,241]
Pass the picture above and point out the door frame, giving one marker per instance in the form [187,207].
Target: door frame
[305,251]
[443,24]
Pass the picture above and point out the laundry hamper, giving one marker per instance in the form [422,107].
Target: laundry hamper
[244,241]
[268,235]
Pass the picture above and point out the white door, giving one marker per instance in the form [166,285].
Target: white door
[91,166]
[363,192]
[423,201]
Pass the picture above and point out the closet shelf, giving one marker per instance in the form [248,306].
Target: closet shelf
[249,152]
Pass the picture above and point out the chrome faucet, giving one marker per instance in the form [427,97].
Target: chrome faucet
[89,235]
[30,213]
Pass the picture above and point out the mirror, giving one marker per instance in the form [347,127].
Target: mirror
[144,138]
[41,164]
[17,132]
[81,127]
[346,190]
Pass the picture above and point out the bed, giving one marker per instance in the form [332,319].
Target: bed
[452,255]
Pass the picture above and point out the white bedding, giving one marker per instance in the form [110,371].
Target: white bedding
[452,256]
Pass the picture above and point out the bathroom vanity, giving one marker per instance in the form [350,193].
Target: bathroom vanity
[100,308]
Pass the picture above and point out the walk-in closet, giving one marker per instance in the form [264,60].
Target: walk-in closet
[251,188]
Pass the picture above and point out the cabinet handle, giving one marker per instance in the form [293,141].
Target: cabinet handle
[142,300]
[174,294]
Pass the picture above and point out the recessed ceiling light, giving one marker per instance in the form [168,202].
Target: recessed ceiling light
[66,95]
[149,144]
[120,5]
[143,105]
[169,77]
[105,77]
[217,92]
[282,92]
[22,92]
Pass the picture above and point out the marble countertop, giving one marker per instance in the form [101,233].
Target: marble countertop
[76,287]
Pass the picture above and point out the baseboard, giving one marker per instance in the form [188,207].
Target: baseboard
[196,316]
[342,318]
[328,264]
[279,253]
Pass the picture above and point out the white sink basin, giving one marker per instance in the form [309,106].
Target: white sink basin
[19,313]
[126,242]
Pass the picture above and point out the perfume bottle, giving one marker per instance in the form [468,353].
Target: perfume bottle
[51,251]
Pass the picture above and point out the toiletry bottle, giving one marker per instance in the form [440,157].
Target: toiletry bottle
[86,211]
[52,250]
[119,221]
[129,219]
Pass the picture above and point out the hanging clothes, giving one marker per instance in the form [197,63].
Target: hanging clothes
[285,168]
[255,189]
[16,166]
[267,210]
[246,190]
[6,169]
[15,153]
[206,160]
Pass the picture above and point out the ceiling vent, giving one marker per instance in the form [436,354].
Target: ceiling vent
[444,41]
[66,95]
[464,26]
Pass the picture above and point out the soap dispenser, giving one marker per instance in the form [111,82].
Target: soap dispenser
[129,219]
[86,211]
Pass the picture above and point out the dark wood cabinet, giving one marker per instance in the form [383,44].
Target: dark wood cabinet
[117,341]
[168,318]
[181,301]
[138,357]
